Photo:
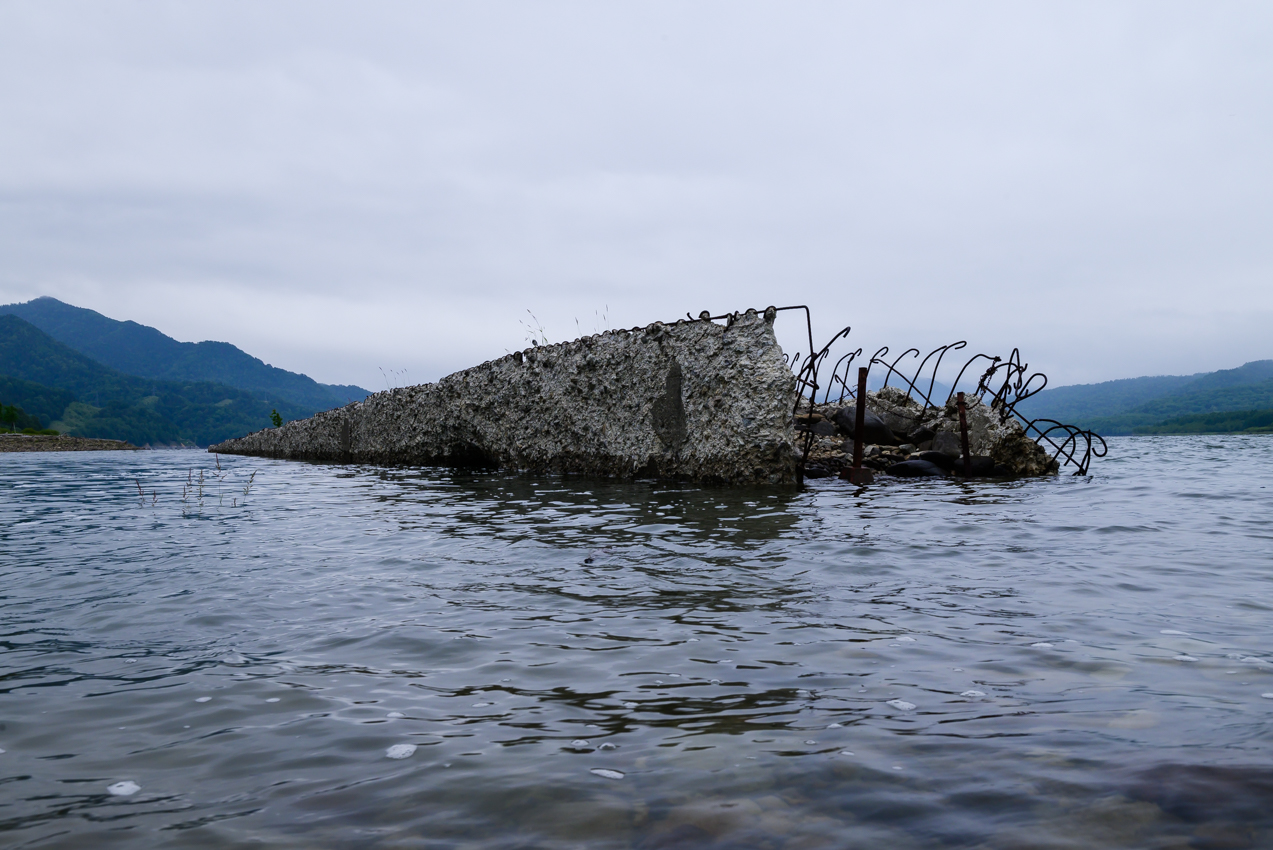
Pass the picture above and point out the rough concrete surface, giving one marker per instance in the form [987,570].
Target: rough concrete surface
[694,400]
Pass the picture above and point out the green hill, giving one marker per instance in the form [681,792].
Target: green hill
[145,352]
[42,374]
[1145,405]
[44,403]
[1083,402]
[1142,418]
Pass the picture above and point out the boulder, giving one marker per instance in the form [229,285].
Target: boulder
[947,443]
[940,459]
[1020,455]
[921,435]
[899,412]
[916,469]
[877,432]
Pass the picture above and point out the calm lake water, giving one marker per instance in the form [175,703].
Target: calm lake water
[357,657]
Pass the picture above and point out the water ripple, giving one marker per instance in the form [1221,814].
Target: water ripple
[367,657]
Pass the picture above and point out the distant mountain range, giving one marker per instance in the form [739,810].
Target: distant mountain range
[145,352]
[82,373]
[1227,401]
[88,375]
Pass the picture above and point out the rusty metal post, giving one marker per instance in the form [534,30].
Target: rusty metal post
[859,420]
[963,436]
[858,475]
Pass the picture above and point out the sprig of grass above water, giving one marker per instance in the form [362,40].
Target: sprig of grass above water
[203,485]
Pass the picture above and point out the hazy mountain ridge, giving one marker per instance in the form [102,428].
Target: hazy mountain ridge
[145,352]
[40,373]
[1152,404]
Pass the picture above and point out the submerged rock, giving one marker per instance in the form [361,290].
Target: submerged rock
[916,469]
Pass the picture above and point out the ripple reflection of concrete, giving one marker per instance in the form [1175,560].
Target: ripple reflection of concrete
[613,513]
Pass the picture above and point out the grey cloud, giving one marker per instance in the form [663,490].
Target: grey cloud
[339,187]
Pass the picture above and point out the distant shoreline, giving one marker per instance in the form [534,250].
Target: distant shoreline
[61,443]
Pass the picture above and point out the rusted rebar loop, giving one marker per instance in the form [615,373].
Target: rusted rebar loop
[1003,385]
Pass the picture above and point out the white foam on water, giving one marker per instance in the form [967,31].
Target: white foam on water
[482,704]
[395,715]
[1172,632]
[126,788]
[1041,645]
[272,699]
[907,639]
[715,681]
[674,675]
[580,742]
[692,640]
[606,774]
[973,694]
[401,751]
[901,704]
[810,743]
[204,699]
[1185,658]
[608,746]
[1266,696]
[957,669]
[130,660]
[836,726]
[845,753]
[629,705]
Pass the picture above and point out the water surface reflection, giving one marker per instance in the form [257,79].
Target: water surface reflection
[1071,662]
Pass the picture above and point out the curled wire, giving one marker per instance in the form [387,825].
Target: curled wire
[1003,385]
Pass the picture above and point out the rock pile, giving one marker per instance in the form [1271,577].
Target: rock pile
[908,439]
[60,443]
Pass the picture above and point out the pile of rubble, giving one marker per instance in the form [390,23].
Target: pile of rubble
[906,438]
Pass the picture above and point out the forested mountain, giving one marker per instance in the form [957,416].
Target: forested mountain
[42,375]
[145,352]
[1153,404]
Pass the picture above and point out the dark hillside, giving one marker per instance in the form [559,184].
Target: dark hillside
[44,403]
[145,352]
[1255,372]
[1081,402]
[107,403]
[1134,405]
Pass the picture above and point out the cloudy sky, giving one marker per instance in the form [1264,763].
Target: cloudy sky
[341,188]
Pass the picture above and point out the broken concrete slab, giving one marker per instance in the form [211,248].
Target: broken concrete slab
[694,400]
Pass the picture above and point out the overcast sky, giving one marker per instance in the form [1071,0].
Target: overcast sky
[339,188]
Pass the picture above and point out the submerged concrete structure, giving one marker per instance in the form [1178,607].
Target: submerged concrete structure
[695,400]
